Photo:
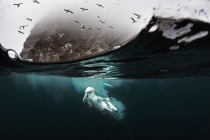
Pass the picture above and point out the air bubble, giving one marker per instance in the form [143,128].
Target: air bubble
[12,55]
[153,28]
[172,48]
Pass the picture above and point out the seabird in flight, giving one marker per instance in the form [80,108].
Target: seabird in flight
[60,34]
[20,32]
[29,19]
[138,16]
[35,1]
[102,21]
[83,27]
[18,4]
[23,27]
[133,20]
[100,5]
[203,12]
[68,11]
[76,21]
[83,9]
[111,27]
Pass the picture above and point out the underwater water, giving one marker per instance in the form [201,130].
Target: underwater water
[47,107]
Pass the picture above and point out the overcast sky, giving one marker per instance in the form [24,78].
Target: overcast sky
[114,14]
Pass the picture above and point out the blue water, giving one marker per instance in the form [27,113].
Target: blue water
[47,107]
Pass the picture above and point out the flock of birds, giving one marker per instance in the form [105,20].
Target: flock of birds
[23,26]
[28,19]
[83,27]
[134,20]
[85,9]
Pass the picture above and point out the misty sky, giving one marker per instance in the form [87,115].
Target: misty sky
[116,13]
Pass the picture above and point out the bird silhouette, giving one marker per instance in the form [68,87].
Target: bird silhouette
[83,9]
[83,27]
[90,28]
[111,27]
[18,4]
[35,1]
[68,11]
[23,27]
[133,20]
[20,32]
[98,29]
[203,12]
[100,5]
[138,16]
[61,34]
[102,21]
[76,21]
[29,19]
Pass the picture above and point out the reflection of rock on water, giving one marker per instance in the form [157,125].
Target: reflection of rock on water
[50,42]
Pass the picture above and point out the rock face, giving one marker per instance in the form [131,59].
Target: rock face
[63,40]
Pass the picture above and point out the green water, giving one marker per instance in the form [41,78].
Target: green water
[37,107]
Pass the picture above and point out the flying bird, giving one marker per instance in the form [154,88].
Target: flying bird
[83,27]
[35,1]
[133,20]
[203,12]
[18,4]
[29,19]
[76,21]
[102,21]
[68,11]
[20,32]
[111,27]
[83,9]
[138,16]
[23,27]
[60,34]
[100,5]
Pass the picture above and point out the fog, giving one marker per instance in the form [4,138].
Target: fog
[115,13]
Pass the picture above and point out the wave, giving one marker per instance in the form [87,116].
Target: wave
[166,48]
